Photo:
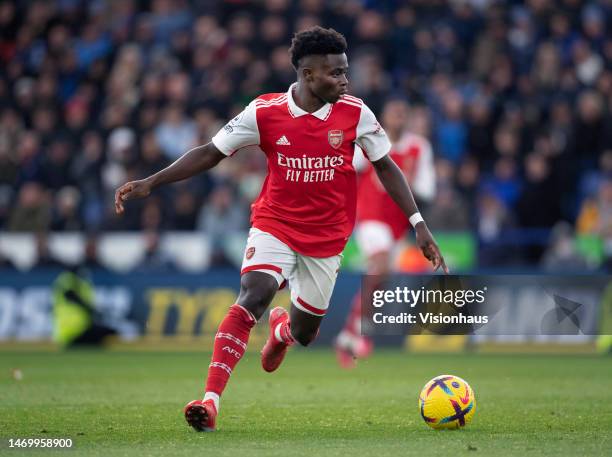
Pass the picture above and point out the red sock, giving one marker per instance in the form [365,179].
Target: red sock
[230,343]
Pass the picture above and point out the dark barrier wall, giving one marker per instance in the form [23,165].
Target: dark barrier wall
[180,306]
[187,308]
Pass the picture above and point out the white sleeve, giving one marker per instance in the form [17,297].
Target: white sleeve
[370,136]
[239,132]
[424,182]
[359,161]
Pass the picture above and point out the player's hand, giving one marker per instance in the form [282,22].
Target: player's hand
[428,246]
[130,191]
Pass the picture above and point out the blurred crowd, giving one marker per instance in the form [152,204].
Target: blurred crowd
[94,93]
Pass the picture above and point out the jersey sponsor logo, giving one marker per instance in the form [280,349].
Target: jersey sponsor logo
[250,252]
[283,141]
[335,138]
[309,163]
[309,169]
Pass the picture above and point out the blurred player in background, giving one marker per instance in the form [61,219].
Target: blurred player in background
[381,224]
[306,209]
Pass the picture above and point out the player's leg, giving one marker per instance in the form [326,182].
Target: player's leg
[351,344]
[375,240]
[265,259]
[376,274]
[304,326]
[312,284]
[257,290]
[286,329]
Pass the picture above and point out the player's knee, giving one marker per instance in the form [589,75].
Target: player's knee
[256,292]
[304,336]
[256,301]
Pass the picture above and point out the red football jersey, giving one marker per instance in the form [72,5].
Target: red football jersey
[413,154]
[308,199]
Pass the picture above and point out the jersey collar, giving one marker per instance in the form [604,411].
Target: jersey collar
[295,111]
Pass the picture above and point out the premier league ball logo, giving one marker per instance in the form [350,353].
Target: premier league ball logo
[335,138]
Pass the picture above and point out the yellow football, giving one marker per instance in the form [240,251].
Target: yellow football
[447,401]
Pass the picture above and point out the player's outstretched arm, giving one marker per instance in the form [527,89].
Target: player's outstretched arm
[191,163]
[397,187]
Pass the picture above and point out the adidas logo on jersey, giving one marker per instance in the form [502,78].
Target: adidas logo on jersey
[283,141]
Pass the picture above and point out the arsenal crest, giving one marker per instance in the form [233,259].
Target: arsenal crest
[250,252]
[335,138]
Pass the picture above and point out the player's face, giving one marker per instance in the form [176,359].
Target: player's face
[328,79]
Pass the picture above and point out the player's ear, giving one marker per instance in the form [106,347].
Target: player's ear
[307,74]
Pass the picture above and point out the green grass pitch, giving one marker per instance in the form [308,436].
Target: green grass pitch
[131,404]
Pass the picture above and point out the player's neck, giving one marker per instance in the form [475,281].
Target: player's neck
[305,99]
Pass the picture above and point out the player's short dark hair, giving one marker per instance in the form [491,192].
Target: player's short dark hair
[316,41]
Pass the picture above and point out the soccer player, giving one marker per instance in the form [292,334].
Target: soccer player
[305,212]
[380,222]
